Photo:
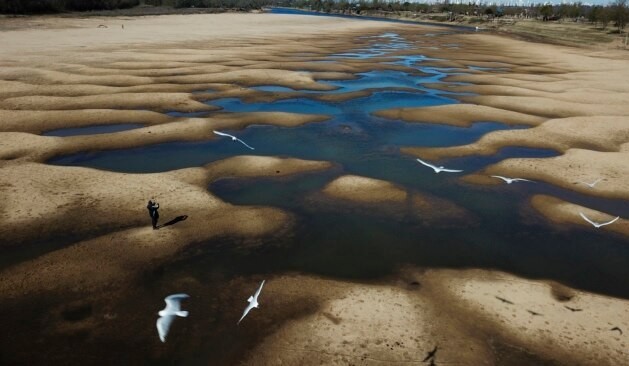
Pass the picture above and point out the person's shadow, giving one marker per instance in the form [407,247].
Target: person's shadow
[174,221]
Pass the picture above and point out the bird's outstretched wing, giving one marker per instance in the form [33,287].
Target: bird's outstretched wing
[173,302]
[427,164]
[244,143]
[591,185]
[597,224]
[609,222]
[501,177]
[588,220]
[244,313]
[223,134]
[259,290]
[521,180]
[450,170]
[163,326]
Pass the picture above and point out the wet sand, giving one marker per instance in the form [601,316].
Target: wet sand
[86,75]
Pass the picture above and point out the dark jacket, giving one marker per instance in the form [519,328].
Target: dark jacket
[152,208]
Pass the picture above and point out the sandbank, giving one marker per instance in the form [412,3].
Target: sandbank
[395,201]
[609,134]
[562,212]
[576,167]
[366,190]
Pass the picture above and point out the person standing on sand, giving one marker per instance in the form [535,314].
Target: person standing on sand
[153,207]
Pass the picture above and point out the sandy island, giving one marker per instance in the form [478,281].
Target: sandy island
[387,198]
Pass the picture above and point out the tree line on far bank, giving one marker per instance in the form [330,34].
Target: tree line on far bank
[616,12]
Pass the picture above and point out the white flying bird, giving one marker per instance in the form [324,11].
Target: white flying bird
[234,138]
[166,316]
[253,302]
[438,169]
[511,180]
[597,225]
[591,185]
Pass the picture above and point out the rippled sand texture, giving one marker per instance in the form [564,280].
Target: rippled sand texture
[576,99]
[84,278]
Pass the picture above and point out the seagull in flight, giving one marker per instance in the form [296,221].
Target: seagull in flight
[234,138]
[511,180]
[253,302]
[438,169]
[591,185]
[166,316]
[597,225]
